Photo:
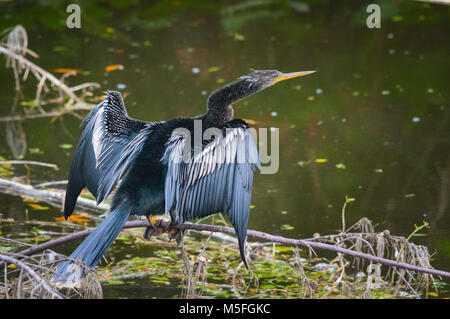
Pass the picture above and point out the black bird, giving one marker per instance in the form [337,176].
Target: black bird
[161,171]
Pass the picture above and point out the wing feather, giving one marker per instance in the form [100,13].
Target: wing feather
[218,179]
[107,147]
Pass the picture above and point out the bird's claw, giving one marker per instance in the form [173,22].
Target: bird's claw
[162,224]
[158,225]
[175,233]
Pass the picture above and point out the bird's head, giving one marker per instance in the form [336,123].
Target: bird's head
[261,79]
[247,85]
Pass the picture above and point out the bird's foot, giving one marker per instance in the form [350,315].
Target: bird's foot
[158,225]
[175,233]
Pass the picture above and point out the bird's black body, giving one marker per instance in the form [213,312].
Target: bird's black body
[148,161]
[144,182]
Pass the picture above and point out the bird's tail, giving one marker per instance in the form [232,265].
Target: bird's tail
[91,250]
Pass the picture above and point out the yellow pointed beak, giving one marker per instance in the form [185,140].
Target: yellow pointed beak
[286,76]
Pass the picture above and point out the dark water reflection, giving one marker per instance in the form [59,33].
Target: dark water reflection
[377,109]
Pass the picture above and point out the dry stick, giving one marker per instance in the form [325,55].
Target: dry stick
[93,85]
[29,163]
[56,198]
[51,183]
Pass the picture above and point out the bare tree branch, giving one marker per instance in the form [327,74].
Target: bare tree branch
[56,199]
[53,198]
[29,163]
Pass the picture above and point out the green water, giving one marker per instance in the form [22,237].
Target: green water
[377,110]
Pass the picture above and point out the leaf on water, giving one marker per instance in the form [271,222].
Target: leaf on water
[341,166]
[115,282]
[67,70]
[220,80]
[59,48]
[75,218]
[114,67]
[35,150]
[239,37]
[283,249]
[213,69]
[7,165]
[66,146]
[37,206]
[287,227]
[321,160]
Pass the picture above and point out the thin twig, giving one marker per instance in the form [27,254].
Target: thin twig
[81,86]
[52,183]
[29,163]
[53,198]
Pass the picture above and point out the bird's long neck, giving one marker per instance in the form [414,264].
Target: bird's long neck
[219,105]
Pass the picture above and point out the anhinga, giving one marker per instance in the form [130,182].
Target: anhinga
[148,160]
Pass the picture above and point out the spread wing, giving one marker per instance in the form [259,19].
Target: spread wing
[217,179]
[108,145]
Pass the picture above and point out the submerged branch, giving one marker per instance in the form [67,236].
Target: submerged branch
[65,110]
[51,197]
